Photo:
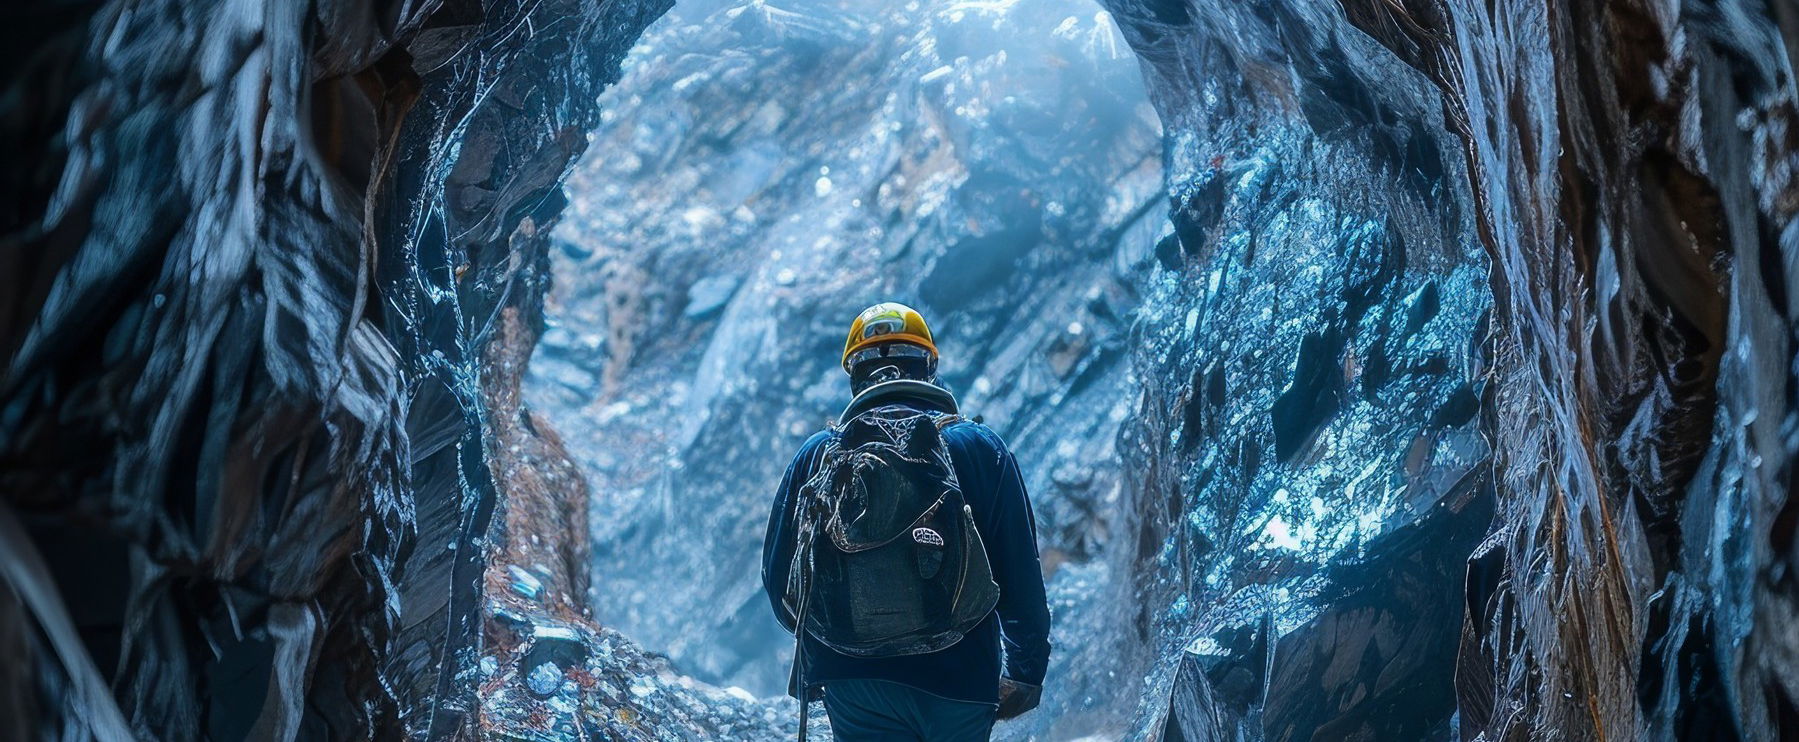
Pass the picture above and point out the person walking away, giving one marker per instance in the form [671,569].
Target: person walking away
[902,552]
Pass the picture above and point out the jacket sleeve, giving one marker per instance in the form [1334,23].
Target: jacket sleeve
[778,541]
[1023,607]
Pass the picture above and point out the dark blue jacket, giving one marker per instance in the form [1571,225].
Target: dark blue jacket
[970,669]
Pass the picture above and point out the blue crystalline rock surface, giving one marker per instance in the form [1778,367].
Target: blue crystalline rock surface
[1305,469]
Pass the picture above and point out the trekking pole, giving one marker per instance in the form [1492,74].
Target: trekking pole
[807,536]
[799,640]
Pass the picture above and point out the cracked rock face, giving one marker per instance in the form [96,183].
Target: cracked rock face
[1623,173]
[251,258]
[1307,460]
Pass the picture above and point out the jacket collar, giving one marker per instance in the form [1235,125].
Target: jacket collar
[931,395]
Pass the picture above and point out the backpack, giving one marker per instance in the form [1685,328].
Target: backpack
[888,561]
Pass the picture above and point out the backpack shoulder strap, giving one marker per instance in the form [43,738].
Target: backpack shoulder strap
[874,395]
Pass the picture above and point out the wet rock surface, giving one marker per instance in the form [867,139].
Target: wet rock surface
[1304,506]
[1634,382]
[252,258]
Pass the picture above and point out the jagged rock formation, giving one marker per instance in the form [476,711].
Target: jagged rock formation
[1306,456]
[253,256]
[547,670]
[1628,170]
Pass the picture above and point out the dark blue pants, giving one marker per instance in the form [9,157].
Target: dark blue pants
[881,711]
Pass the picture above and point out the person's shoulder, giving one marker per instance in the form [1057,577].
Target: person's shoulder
[813,443]
[967,432]
[807,456]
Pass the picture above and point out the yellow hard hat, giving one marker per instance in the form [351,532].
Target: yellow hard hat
[887,322]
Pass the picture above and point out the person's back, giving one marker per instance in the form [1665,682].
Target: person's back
[956,692]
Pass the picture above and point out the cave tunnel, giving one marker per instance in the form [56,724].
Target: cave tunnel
[1417,370]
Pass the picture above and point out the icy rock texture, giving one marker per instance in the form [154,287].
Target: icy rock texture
[1306,467]
[254,256]
[764,171]
[1627,170]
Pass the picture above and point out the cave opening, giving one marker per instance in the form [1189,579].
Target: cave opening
[760,174]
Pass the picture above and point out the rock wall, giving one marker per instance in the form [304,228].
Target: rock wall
[1308,467]
[253,256]
[1626,170]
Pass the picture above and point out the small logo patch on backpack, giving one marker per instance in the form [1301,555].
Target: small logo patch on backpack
[927,536]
